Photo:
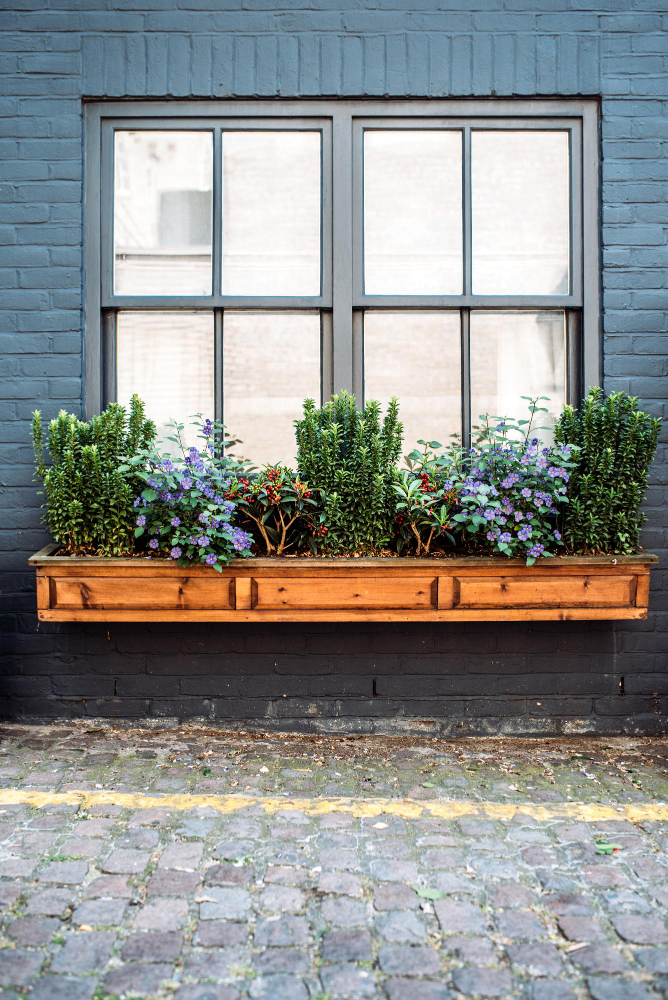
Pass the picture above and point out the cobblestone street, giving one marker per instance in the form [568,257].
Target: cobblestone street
[193,864]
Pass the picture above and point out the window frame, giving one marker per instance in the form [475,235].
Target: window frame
[342,300]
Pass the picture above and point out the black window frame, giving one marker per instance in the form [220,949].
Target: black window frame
[342,300]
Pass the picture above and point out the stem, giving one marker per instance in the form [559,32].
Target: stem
[267,541]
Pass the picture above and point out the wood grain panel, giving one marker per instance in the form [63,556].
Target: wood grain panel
[122,592]
[544,591]
[346,592]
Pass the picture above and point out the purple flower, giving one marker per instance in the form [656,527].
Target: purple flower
[203,540]
[153,544]
[175,522]
[524,533]
[526,492]
[506,537]
[175,553]
[141,520]
[557,535]
[137,501]
[207,429]
[211,559]
[519,516]
[203,518]
[186,483]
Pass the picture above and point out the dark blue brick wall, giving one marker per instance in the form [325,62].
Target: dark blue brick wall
[535,678]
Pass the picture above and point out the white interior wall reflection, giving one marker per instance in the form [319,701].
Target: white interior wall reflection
[162,213]
[167,358]
[515,354]
[520,203]
[271,363]
[416,356]
[271,213]
[413,212]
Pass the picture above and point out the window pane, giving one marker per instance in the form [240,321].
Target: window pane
[271,213]
[520,208]
[271,364]
[412,213]
[515,354]
[415,356]
[162,213]
[167,359]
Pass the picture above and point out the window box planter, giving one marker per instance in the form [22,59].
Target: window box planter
[568,588]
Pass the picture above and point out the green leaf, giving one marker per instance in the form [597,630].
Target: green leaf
[430,894]
[149,494]
[138,532]
[604,848]
[429,784]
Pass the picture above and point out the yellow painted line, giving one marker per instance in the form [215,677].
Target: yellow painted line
[589,812]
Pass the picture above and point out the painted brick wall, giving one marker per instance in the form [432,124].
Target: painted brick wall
[534,678]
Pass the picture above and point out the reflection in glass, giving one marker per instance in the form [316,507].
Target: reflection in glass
[416,357]
[515,354]
[271,213]
[167,359]
[162,213]
[271,363]
[520,211]
[412,212]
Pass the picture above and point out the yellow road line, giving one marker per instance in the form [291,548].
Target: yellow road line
[589,812]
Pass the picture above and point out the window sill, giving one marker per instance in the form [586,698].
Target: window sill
[567,588]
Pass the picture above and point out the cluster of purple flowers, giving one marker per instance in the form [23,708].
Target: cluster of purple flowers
[512,491]
[186,506]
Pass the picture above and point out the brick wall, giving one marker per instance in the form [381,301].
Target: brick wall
[533,678]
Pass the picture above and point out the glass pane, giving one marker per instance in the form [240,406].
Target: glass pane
[515,354]
[167,359]
[271,213]
[271,364]
[162,213]
[520,209]
[415,356]
[412,213]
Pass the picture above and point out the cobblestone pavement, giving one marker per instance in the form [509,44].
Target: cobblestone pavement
[193,864]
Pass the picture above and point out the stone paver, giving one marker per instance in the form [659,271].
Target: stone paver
[307,900]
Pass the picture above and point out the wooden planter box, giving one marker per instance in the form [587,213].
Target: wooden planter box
[570,588]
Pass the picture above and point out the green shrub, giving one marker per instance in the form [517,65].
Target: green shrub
[616,443]
[349,459]
[89,502]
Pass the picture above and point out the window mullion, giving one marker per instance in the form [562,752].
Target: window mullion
[466,206]
[342,271]
[574,386]
[108,388]
[217,210]
[465,316]
[218,316]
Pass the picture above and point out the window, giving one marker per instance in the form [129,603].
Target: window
[241,256]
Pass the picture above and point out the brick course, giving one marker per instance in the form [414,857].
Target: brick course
[519,678]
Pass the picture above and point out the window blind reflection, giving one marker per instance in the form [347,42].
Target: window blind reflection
[412,212]
[416,356]
[167,359]
[162,213]
[520,193]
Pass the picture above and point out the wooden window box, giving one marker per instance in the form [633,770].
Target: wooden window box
[569,588]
